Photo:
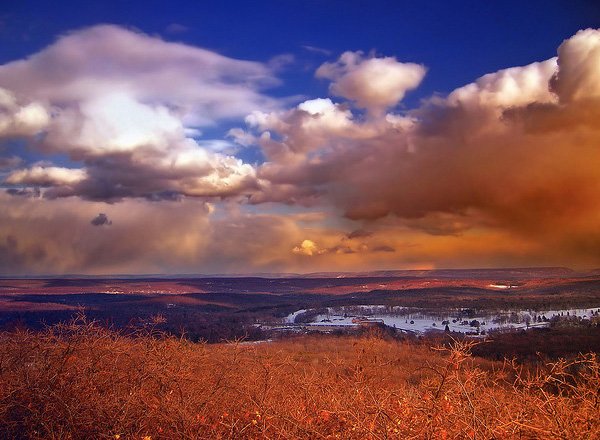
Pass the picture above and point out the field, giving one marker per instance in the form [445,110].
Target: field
[198,358]
[82,381]
[220,309]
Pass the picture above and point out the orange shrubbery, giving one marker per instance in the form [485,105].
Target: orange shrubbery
[82,381]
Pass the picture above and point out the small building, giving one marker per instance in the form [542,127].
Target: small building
[370,322]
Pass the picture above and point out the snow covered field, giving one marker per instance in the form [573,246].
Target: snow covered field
[419,321]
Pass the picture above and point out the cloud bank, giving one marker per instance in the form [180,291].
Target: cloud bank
[501,171]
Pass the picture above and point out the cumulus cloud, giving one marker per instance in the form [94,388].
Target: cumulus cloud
[127,106]
[514,151]
[201,85]
[21,118]
[308,247]
[241,137]
[372,83]
[516,86]
[341,246]
[579,62]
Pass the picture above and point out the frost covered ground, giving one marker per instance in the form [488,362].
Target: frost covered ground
[420,321]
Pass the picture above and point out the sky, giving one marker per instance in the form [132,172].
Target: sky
[189,137]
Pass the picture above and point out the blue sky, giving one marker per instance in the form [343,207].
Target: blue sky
[457,40]
[223,136]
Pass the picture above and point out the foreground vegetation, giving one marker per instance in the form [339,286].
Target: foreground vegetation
[82,381]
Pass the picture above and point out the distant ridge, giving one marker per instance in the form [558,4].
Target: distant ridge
[525,272]
[503,273]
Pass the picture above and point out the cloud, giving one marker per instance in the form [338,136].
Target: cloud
[20,118]
[514,151]
[308,247]
[372,83]
[281,62]
[579,63]
[25,192]
[46,176]
[317,50]
[53,236]
[241,137]
[304,129]
[101,220]
[359,233]
[176,28]
[41,236]
[516,86]
[501,171]
[202,86]
[126,106]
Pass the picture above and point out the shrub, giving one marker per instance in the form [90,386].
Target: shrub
[82,381]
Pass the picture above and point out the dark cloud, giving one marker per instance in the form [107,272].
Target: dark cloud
[101,220]
[359,233]
[24,192]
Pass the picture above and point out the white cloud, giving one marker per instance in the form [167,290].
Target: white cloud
[373,83]
[114,123]
[241,137]
[46,176]
[516,86]
[579,62]
[21,119]
[91,63]
[317,50]
[127,106]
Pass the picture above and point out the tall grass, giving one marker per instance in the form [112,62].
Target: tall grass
[82,381]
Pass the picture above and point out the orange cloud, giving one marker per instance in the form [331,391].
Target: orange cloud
[515,152]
